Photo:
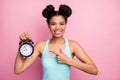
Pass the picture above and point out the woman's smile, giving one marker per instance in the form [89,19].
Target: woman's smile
[57,32]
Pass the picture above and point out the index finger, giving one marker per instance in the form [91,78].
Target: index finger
[53,52]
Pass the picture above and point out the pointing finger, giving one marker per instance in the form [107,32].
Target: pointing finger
[53,52]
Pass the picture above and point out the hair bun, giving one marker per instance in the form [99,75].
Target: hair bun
[65,10]
[48,10]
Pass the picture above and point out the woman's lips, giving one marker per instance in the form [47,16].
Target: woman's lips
[57,32]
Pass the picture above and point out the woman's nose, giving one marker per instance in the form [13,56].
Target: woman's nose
[57,26]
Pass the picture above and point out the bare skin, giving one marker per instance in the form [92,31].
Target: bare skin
[56,47]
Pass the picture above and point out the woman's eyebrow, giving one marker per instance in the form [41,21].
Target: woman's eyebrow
[52,22]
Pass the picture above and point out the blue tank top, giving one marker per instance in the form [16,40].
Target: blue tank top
[52,69]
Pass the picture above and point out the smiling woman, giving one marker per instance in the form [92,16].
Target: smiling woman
[57,66]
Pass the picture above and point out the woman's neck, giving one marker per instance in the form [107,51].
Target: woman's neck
[57,40]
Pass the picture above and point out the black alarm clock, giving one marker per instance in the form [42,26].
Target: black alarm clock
[26,48]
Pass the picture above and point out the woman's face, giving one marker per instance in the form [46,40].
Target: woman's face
[57,26]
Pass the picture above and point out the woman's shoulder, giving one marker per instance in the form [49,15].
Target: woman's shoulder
[41,43]
[73,45]
[73,42]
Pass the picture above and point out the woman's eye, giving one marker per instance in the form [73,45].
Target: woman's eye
[52,24]
[61,23]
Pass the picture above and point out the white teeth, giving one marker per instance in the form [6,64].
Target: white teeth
[57,32]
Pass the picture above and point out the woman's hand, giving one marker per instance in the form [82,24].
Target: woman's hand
[24,36]
[61,57]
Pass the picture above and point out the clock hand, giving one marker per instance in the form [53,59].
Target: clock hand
[25,49]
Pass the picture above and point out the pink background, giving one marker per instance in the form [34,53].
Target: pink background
[95,24]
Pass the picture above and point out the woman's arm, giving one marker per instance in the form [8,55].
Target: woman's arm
[21,63]
[85,64]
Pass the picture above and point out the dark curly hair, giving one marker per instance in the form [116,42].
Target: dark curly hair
[49,12]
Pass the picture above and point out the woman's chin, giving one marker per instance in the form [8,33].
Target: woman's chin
[57,36]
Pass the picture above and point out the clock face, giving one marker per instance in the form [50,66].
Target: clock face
[26,50]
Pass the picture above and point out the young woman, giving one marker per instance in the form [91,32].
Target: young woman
[56,53]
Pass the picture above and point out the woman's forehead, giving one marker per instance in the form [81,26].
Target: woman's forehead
[57,19]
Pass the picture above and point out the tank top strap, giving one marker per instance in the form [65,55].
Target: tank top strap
[67,50]
[46,46]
